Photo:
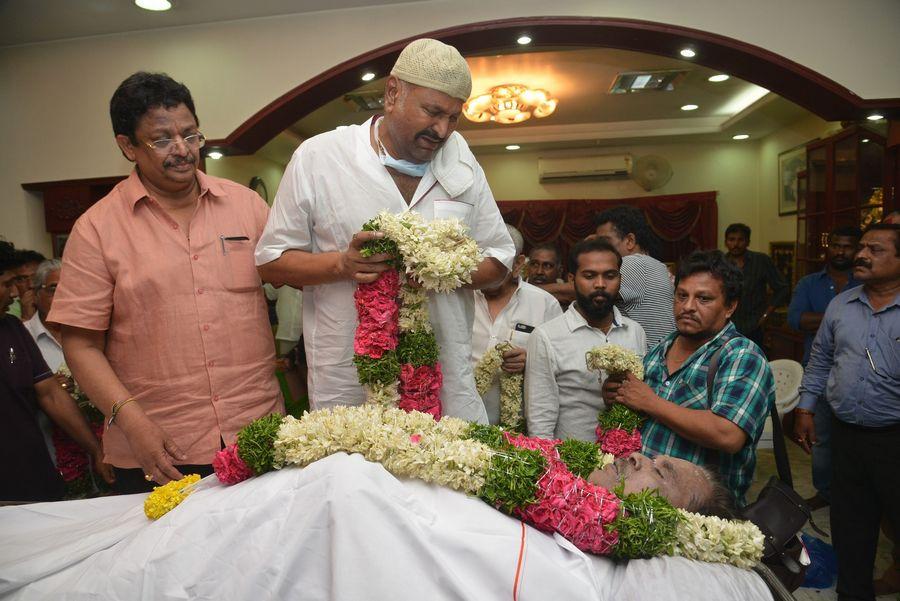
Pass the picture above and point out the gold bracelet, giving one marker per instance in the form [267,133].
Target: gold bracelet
[117,406]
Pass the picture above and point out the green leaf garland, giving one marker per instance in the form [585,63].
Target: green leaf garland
[256,443]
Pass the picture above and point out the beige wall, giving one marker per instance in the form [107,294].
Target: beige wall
[53,96]
[242,169]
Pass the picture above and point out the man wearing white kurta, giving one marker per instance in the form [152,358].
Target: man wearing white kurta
[509,313]
[409,159]
[562,398]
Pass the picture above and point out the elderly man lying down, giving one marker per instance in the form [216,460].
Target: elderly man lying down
[346,528]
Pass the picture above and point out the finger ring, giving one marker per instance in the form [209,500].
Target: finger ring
[148,477]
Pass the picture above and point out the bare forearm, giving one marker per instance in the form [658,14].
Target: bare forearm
[702,427]
[809,322]
[489,273]
[62,410]
[92,371]
[298,268]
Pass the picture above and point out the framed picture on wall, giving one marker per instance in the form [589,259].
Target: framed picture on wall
[782,254]
[790,164]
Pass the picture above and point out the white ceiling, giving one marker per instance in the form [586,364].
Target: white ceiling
[587,114]
[29,21]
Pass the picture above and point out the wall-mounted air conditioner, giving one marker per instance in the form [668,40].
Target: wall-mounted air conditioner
[590,167]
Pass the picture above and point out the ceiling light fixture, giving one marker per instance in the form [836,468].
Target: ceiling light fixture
[368,76]
[718,78]
[687,53]
[740,137]
[509,103]
[690,107]
[154,5]
[524,40]
[513,147]
[875,117]
[864,140]
[214,155]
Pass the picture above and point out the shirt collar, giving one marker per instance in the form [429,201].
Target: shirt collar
[576,320]
[859,294]
[133,189]
[38,329]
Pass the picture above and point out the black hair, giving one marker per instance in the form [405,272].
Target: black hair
[849,231]
[738,228]
[715,264]
[8,260]
[719,503]
[141,92]
[887,227]
[24,257]
[591,245]
[630,220]
[550,247]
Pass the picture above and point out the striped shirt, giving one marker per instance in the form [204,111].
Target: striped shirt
[647,296]
[743,392]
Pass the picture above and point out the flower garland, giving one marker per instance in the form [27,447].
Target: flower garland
[395,350]
[487,368]
[543,482]
[167,497]
[618,428]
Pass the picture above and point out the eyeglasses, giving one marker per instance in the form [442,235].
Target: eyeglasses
[49,288]
[164,145]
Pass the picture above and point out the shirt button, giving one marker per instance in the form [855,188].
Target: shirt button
[216,399]
[196,257]
[210,363]
[206,327]
[199,290]
[667,382]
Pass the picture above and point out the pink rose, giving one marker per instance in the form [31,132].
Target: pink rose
[229,466]
[420,388]
[619,442]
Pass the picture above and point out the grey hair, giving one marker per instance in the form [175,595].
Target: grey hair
[719,502]
[518,240]
[44,270]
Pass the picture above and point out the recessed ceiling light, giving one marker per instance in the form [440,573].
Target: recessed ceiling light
[718,78]
[687,53]
[154,5]
[215,155]
[864,140]
[875,117]
[690,107]
[524,40]
[740,137]
[369,76]
[513,147]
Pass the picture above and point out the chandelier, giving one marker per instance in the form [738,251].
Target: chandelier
[509,103]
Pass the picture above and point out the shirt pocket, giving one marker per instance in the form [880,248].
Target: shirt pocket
[452,209]
[519,338]
[240,273]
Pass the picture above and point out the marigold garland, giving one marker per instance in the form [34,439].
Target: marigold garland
[167,497]
[541,481]
[395,350]
[618,428]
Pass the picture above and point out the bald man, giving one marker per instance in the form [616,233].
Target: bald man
[408,159]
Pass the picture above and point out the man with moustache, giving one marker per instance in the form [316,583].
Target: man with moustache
[718,428]
[411,158]
[562,398]
[811,297]
[855,363]
[163,319]
[509,313]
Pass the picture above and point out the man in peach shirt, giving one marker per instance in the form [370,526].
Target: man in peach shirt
[164,322]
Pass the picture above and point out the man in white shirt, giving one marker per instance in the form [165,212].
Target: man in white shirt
[409,159]
[562,398]
[47,336]
[509,313]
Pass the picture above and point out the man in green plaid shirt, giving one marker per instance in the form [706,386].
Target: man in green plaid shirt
[719,430]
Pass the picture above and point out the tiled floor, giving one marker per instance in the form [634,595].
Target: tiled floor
[800,469]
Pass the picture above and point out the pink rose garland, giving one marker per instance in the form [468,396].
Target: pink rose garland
[420,388]
[378,311]
[229,466]
[619,442]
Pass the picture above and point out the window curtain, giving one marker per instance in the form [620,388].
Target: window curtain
[683,222]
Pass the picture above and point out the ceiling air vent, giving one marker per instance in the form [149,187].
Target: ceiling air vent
[640,81]
[366,101]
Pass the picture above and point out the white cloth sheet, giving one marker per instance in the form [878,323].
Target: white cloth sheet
[341,529]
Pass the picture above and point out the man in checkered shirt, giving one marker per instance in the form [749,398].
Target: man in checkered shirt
[718,429]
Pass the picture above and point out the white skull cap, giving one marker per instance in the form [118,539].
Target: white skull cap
[436,65]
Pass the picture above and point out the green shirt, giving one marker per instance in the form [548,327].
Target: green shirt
[743,392]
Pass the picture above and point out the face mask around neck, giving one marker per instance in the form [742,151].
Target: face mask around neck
[403,166]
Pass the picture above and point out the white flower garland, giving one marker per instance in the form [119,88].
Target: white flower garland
[487,368]
[712,539]
[614,359]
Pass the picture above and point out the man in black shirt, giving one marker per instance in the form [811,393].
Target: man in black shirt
[755,306]
[26,383]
